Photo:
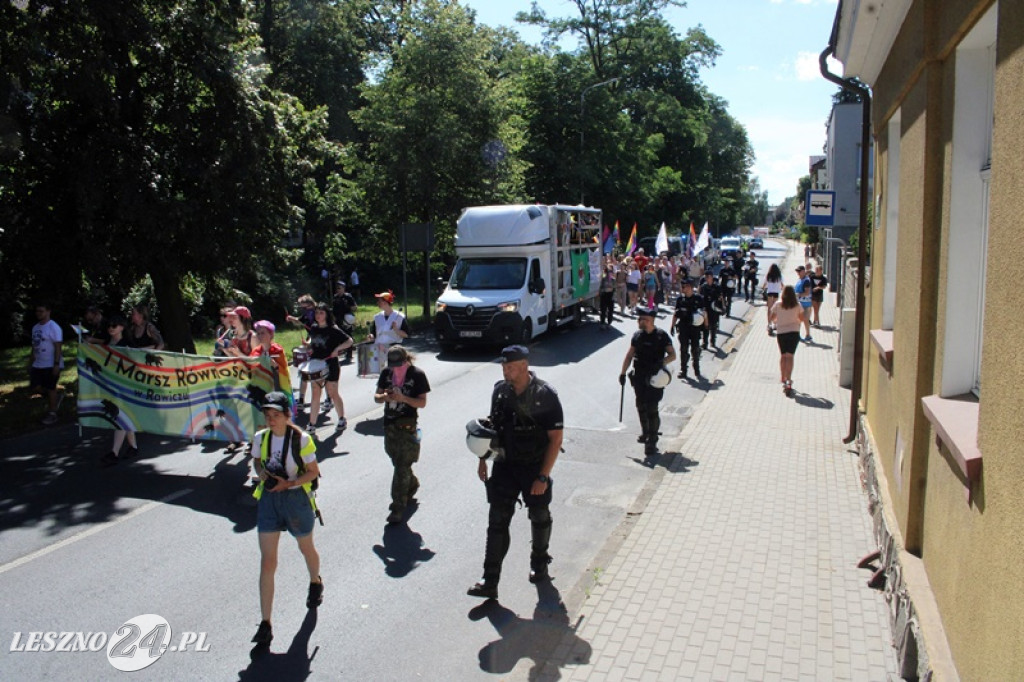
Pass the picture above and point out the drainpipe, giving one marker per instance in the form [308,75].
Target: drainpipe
[863,236]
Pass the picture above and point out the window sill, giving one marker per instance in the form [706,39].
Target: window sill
[883,342]
[955,421]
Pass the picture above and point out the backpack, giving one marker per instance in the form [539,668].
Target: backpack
[296,446]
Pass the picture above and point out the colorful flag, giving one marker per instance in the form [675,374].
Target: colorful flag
[580,275]
[173,393]
[631,244]
[691,243]
[616,233]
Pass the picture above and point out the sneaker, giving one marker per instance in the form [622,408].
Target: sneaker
[130,453]
[681,375]
[488,589]
[311,427]
[109,459]
[808,338]
[264,633]
[341,425]
[50,418]
[315,597]
[642,438]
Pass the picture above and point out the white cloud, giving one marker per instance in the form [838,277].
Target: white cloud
[783,147]
[807,69]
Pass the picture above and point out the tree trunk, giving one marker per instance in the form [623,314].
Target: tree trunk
[174,323]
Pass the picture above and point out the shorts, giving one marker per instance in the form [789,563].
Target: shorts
[289,510]
[42,377]
[805,304]
[788,342]
[333,370]
[632,287]
[818,295]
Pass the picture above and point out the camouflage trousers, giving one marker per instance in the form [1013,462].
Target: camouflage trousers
[402,443]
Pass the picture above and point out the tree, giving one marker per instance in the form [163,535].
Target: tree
[150,143]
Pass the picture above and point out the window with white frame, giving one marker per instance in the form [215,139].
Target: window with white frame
[968,230]
[892,219]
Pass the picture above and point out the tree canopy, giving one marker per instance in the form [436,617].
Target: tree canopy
[188,141]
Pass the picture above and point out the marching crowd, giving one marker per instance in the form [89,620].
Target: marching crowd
[522,434]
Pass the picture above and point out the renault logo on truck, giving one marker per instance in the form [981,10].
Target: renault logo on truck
[470,310]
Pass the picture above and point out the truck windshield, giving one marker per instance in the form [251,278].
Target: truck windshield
[489,273]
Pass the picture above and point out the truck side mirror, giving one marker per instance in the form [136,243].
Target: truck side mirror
[537,286]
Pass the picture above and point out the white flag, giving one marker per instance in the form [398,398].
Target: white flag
[703,241]
[661,245]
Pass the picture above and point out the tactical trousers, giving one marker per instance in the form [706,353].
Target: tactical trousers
[506,484]
[689,346]
[710,331]
[402,444]
[650,420]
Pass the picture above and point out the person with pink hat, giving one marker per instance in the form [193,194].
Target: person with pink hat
[241,344]
[264,330]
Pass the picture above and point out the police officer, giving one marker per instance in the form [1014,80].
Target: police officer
[728,277]
[650,350]
[527,416]
[403,388]
[712,295]
[344,307]
[750,278]
[688,306]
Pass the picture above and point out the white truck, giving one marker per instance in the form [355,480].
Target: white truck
[522,270]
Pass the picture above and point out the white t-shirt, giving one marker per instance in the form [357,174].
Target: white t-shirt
[386,329]
[307,451]
[773,288]
[44,336]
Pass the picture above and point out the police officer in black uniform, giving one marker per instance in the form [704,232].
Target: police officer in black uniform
[342,305]
[750,278]
[688,305]
[650,349]
[728,276]
[712,295]
[527,416]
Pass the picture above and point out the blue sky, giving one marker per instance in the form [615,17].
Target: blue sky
[768,71]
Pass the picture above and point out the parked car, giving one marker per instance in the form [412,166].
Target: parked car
[757,243]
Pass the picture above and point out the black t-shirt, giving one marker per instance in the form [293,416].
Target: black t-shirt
[818,281]
[323,341]
[649,351]
[415,384]
[752,268]
[341,306]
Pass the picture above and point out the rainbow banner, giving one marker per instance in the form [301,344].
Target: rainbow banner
[172,394]
[631,244]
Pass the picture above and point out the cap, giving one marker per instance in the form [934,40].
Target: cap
[397,356]
[513,353]
[645,312]
[799,268]
[686,283]
[275,400]
[266,324]
[242,312]
[386,295]
[339,283]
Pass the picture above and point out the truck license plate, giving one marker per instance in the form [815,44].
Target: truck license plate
[475,335]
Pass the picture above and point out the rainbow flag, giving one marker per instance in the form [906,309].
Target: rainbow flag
[173,394]
[611,238]
[631,244]
[692,241]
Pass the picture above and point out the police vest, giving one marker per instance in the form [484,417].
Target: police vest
[649,353]
[524,440]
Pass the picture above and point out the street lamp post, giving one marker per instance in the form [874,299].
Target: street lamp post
[582,96]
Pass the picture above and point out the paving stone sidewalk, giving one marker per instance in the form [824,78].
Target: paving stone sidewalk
[743,564]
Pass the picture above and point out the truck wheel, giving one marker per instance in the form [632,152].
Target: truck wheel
[526,332]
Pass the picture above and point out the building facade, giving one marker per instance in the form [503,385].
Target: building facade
[942,424]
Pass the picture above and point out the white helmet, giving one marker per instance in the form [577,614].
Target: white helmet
[480,439]
[698,318]
[350,319]
[660,379]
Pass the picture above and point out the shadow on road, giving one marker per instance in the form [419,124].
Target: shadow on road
[811,401]
[673,462]
[294,664]
[547,639]
[402,550]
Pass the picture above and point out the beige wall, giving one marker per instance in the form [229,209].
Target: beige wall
[972,550]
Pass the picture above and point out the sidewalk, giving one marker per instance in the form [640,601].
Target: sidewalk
[743,564]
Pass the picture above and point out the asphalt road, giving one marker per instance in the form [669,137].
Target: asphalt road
[84,549]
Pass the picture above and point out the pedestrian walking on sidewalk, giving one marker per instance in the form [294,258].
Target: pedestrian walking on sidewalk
[527,416]
[772,289]
[787,314]
[403,388]
[803,288]
[650,350]
[818,284]
[689,321]
[285,459]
